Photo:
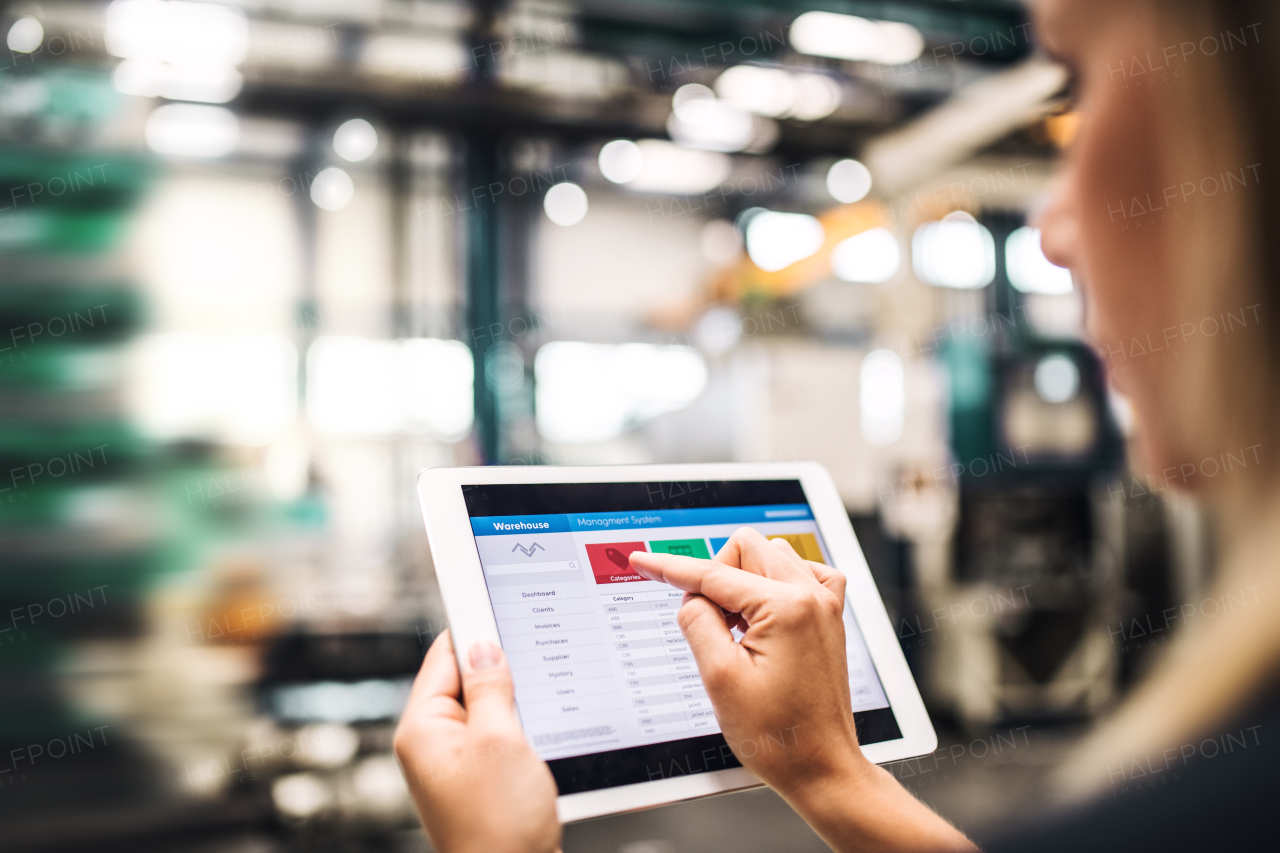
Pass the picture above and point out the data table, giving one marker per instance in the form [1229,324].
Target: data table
[659,674]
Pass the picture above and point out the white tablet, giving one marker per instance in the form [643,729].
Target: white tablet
[536,559]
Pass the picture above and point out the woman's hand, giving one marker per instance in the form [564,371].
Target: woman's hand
[477,783]
[781,695]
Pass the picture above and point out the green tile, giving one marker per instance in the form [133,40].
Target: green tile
[682,547]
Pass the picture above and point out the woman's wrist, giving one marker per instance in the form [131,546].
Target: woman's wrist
[858,806]
[823,799]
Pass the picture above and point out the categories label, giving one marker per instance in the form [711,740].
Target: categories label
[611,561]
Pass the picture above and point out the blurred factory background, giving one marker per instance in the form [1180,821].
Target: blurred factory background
[265,260]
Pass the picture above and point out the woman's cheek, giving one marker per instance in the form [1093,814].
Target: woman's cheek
[1123,261]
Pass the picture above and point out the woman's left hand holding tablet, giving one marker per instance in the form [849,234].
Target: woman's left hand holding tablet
[477,782]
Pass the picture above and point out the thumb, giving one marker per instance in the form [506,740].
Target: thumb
[713,646]
[486,688]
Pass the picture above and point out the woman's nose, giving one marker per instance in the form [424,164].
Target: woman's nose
[1059,226]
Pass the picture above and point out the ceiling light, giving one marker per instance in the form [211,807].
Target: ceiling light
[778,93]
[25,36]
[431,59]
[688,94]
[817,96]
[765,91]
[850,37]
[332,189]
[141,77]
[899,43]
[848,181]
[177,32]
[355,140]
[777,240]
[872,257]
[147,78]
[664,167]
[1029,270]
[955,252]
[188,130]
[699,120]
[711,125]
[620,161]
[565,203]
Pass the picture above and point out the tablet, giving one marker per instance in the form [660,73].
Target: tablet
[536,559]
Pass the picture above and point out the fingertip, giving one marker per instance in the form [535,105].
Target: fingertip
[438,675]
[441,648]
[443,642]
[487,669]
[646,564]
[488,691]
[484,654]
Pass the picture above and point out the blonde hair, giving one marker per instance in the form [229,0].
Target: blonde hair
[1213,120]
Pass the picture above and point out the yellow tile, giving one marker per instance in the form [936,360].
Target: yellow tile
[805,544]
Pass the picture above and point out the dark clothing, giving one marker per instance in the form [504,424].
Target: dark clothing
[1218,792]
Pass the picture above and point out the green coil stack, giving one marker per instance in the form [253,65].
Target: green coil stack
[77,547]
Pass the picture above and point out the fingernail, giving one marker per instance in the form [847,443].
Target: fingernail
[484,654]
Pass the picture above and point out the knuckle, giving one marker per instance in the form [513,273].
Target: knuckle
[489,680]
[805,606]
[712,574]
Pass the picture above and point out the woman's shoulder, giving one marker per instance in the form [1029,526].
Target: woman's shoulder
[1213,790]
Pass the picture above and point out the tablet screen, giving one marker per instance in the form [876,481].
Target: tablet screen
[605,684]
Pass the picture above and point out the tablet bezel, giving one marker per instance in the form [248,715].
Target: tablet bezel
[467,605]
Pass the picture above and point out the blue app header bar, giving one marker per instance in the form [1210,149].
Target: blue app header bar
[513,524]
[506,525]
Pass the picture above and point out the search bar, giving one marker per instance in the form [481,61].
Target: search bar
[525,568]
[786,513]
